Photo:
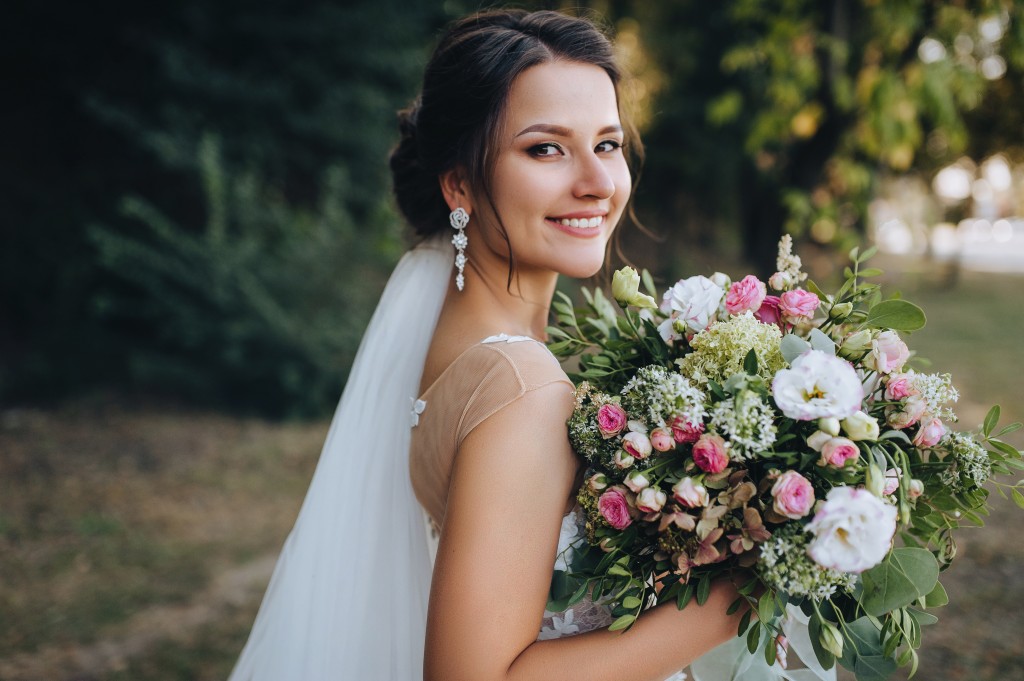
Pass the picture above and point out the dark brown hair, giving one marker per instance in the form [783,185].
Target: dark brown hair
[456,118]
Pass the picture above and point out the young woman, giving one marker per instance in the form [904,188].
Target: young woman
[515,152]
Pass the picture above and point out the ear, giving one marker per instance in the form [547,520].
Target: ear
[455,189]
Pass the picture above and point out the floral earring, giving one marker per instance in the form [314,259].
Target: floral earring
[459,219]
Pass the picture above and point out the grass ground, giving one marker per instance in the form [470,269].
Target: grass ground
[135,542]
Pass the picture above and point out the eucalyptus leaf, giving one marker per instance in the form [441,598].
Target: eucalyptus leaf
[899,315]
[792,347]
[819,341]
[923,618]
[905,575]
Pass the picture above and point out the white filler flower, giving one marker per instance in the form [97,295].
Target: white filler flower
[818,385]
[852,530]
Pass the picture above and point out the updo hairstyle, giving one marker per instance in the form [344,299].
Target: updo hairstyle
[456,119]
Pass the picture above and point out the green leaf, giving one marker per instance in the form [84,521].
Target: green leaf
[684,597]
[1008,450]
[869,272]
[766,607]
[770,652]
[753,638]
[631,602]
[744,622]
[899,315]
[937,597]
[991,419]
[923,618]
[813,288]
[622,622]
[905,575]
[792,347]
[703,589]
[1018,498]
[868,254]
[1012,428]
[825,658]
[750,363]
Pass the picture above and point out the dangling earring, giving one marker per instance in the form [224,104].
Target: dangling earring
[459,219]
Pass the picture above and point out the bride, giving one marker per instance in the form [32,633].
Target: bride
[513,166]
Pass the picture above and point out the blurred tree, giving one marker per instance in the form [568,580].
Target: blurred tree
[256,124]
[780,115]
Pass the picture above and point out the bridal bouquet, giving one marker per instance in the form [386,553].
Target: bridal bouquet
[783,434]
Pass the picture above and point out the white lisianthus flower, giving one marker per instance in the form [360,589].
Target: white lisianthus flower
[694,301]
[852,530]
[817,386]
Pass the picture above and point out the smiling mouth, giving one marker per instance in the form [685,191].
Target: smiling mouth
[580,222]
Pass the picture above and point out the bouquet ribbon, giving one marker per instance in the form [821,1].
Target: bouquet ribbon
[732,661]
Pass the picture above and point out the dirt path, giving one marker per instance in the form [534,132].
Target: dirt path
[135,637]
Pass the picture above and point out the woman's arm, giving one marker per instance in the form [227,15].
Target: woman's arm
[510,482]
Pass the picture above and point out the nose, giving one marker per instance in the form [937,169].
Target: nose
[593,178]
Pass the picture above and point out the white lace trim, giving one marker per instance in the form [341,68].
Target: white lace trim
[506,338]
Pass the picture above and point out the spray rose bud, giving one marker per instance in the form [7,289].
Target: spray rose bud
[637,444]
[650,500]
[626,289]
[837,451]
[915,489]
[685,432]
[818,439]
[625,285]
[840,310]
[709,453]
[721,280]
[798,306]
[614,508]
[830,638]
[856,344]
[874,480]
[929,434]
[623,459]
[830,425]
[636,481]
[611,419]
[860,426]
[780,281]
[597,482]
[662,440]
[690,494]
[793,494]
[900,387]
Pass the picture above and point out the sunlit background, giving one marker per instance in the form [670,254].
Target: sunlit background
[198,223]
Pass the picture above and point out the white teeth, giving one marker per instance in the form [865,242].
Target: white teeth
[582,222]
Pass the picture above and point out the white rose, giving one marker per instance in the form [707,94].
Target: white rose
[818,439]
[695,301]
[852,530]
[817,386]
[636,481]
[860,426]
[690,494]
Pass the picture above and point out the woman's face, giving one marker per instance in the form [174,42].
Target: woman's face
[560,180]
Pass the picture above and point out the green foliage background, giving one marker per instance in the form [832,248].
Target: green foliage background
[197,202]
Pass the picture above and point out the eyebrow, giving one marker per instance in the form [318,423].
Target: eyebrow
[563,131]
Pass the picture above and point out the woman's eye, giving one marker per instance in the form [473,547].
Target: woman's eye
[546,149]
[608,145]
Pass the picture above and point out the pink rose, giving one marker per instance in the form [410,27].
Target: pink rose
[838,451]
[900,387]
[930,433]
[794,495]
[662,440]
[769,313]
[709,454]
[611,419]
[623,459]
[780,281]
[798,306]
[614,508]
[744,295]
[650,500]
[597,482]
[637,444]
[685,432]
[690,494]
[888,353]
[909,413]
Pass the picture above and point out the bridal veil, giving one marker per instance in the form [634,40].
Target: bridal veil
[348,597]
